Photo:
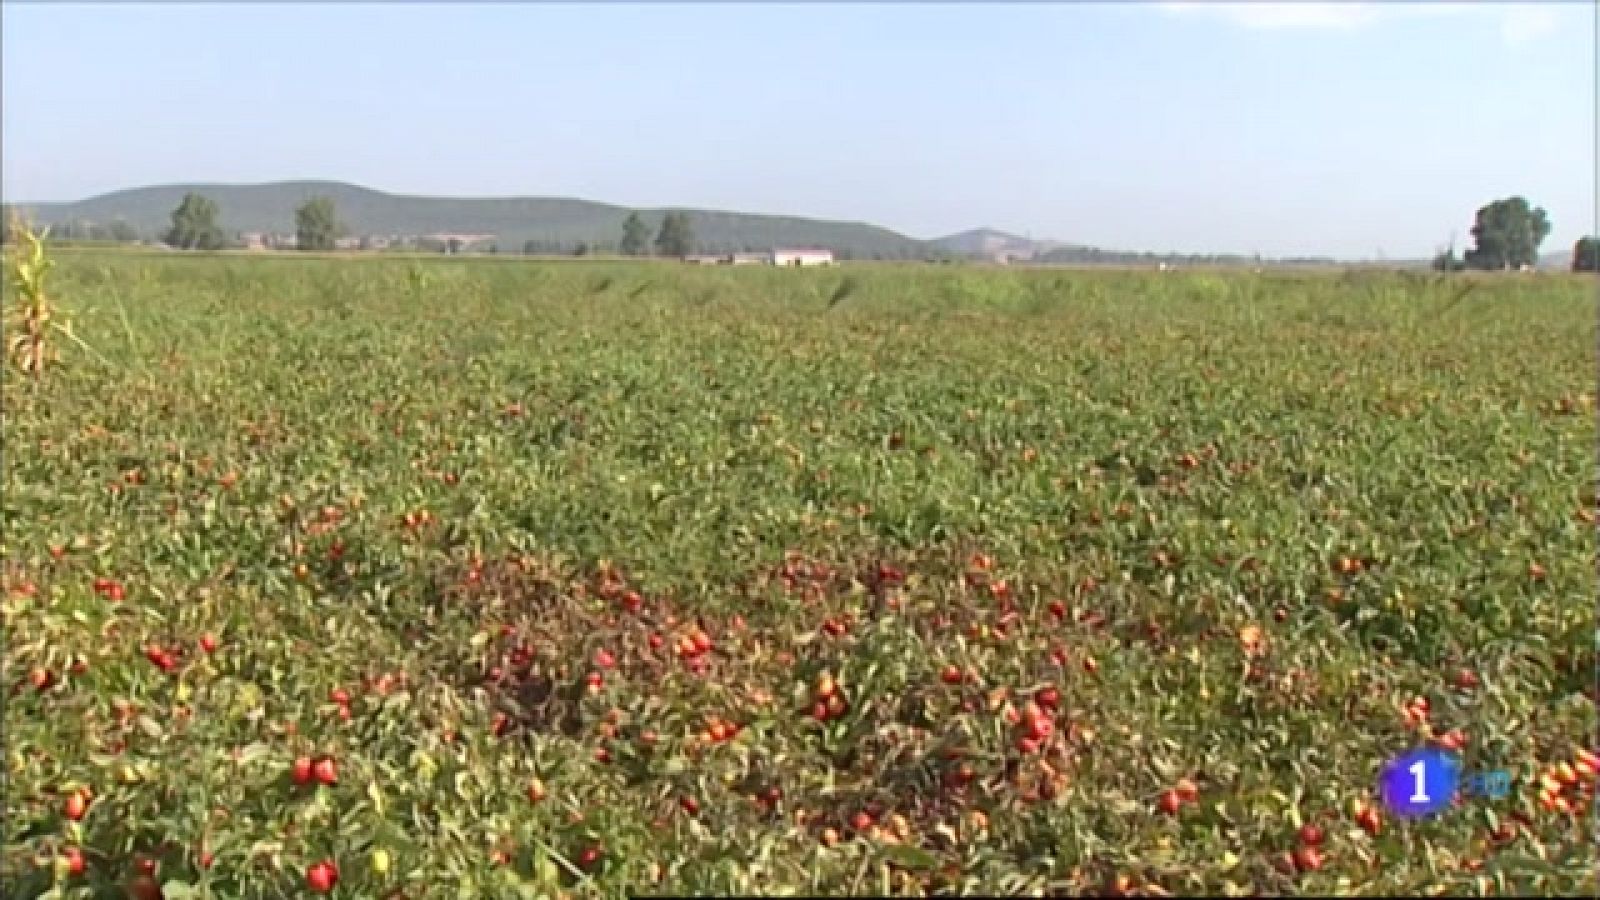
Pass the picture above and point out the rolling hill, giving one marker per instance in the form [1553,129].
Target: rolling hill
[1558,261]
[991,243]
[513,220]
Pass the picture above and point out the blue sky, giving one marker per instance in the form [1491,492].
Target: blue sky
[1346,129]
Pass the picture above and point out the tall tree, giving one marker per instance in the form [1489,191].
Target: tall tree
[316,225]
[122,232]
[635,236]
[676,237]
[194,224]
[1506,235]
[1586,255]
[1448,260]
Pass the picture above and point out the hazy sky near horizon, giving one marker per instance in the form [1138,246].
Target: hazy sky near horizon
[1279,128]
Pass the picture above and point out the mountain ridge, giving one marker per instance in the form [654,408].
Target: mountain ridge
[560,223]
[513,221]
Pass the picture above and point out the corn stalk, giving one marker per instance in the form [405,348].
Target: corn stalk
[33,318]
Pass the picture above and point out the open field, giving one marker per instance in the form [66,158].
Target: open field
[597,577]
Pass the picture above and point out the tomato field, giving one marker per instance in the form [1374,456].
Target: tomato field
[492,578]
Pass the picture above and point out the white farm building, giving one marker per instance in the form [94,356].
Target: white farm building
[802,256]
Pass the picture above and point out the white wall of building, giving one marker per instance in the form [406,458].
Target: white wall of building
[802,258]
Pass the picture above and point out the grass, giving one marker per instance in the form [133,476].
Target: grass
[459,527]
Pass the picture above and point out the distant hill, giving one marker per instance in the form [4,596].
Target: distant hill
[1561,261]
[991,243]
[512,220]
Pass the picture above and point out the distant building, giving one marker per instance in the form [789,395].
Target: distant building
[460,243]
[750,259]
[802,256]
[703,260]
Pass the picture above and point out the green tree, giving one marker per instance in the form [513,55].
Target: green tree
[582,249]
[316,225]
[122,232]
[1448,260]
[1586,255]
[676,237]
[194,225]
[1506,235]
[635,236]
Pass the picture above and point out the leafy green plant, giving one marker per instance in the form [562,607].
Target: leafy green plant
[1025,581]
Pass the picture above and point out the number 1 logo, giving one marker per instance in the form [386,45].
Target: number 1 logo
[1420,783]
[1419,795]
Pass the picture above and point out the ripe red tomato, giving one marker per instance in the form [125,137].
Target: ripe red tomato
[322,876]
[1369,819]
[1171,802]
[1039,727]
[326,770]
[1308,859]
[144,887]
[302,770]
[77,805]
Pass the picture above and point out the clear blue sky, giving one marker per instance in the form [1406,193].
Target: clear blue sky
[1321,128]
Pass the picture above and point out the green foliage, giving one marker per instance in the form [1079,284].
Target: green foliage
[194,225]
[1238,522]
[1449,261]
[1586,255]
[676,237]
[316,225]
[120,231]
[635,236]
[1506,235]
[542,247]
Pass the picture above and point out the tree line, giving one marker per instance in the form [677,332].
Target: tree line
[1506,235]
